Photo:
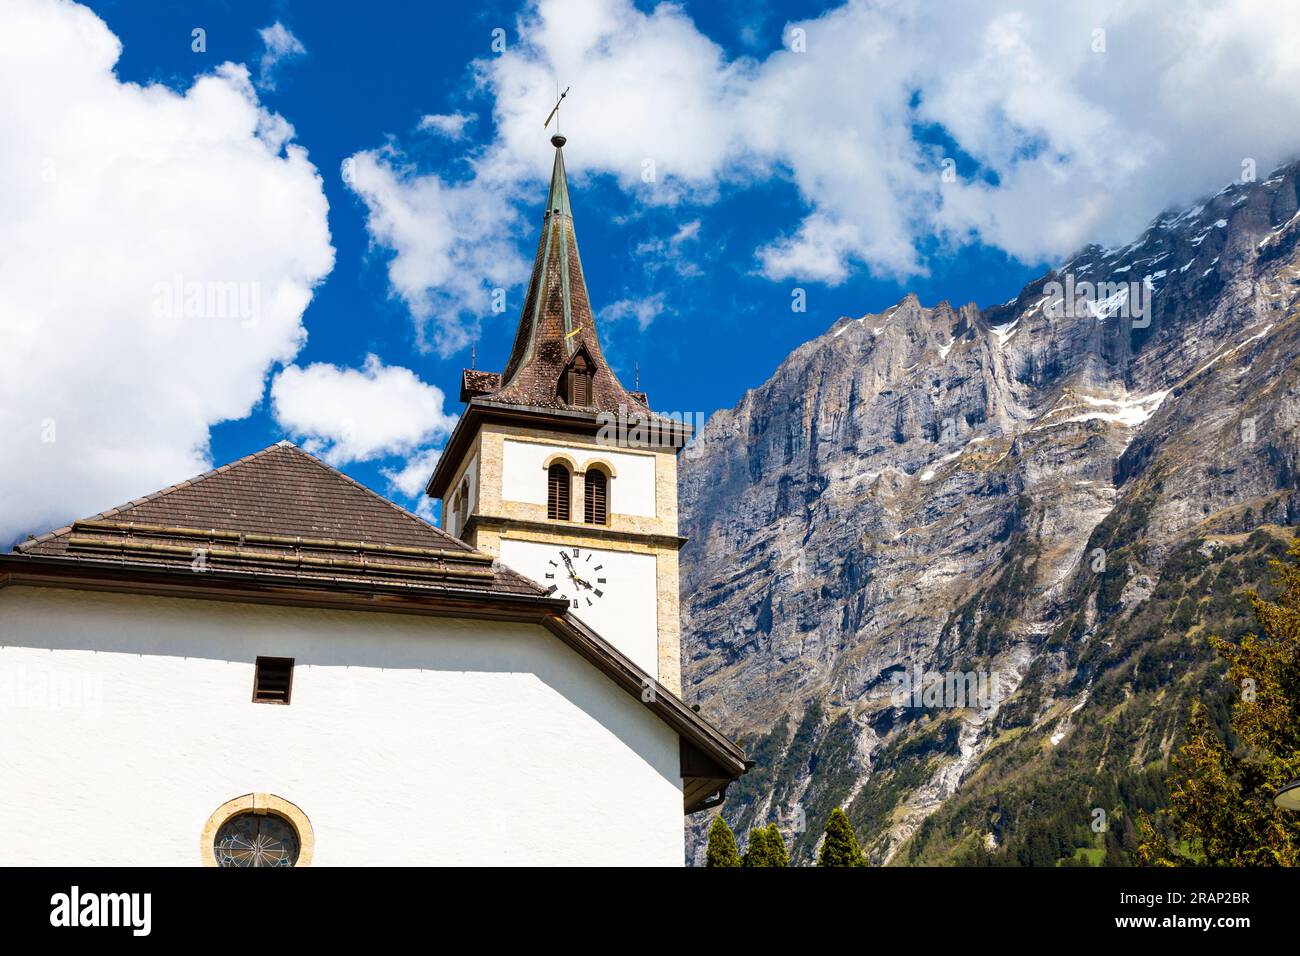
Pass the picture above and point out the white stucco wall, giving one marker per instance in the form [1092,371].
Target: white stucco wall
[626,615]
[126,721]
[523,477]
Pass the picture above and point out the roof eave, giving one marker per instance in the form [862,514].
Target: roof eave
[314,590]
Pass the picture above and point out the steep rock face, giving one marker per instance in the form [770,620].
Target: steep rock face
[994,492]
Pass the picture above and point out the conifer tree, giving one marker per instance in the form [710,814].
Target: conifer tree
[840,848]
[1221,808]
[776,847]
[757,853]
[722,845]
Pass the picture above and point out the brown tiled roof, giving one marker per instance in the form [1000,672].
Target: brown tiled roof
[281,513]
[475,382]
[558,319]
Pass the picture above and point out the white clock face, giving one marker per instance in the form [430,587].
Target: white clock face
[576,575]
[617,592]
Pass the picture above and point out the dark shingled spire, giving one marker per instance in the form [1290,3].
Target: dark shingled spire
[558,322]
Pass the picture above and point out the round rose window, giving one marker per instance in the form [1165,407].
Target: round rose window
[256,839]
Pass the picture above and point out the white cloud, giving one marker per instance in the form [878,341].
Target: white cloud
[348,415]
[120,203]
[1073,144]
[819,251]
[450,125]
[409,480]
[671,252]
[452,243]
[645,87]
[644,310]
[279,44]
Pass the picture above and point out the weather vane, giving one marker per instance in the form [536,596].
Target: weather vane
[555,110]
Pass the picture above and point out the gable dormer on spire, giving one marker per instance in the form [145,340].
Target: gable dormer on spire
[558,321]
[575,385]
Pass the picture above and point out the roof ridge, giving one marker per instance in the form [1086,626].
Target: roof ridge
[188,482]
[425,525]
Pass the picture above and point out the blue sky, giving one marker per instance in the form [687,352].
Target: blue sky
[365,78]
[794,146]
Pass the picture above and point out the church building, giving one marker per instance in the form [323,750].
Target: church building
[271,665]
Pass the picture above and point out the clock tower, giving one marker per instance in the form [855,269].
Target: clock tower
[562,473]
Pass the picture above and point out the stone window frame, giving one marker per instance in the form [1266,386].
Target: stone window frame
[601,465]
[259,803]
[561,458]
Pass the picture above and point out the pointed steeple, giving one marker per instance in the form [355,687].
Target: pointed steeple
[557,330]
[557,201]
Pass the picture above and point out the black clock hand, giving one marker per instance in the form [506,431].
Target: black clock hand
[573,575]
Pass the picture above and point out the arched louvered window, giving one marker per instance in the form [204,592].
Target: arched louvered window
[557,492]
[464,505]
[577,384]
[595,502]
[450,512]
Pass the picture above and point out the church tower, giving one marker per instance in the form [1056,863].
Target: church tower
[562,473]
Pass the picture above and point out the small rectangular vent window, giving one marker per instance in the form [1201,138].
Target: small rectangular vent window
[273,680]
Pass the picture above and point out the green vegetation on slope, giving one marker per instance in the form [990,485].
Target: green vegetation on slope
[1221,809]
[1032,802]
[1035,803]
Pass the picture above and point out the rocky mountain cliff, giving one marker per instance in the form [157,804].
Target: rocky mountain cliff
[1050,502]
